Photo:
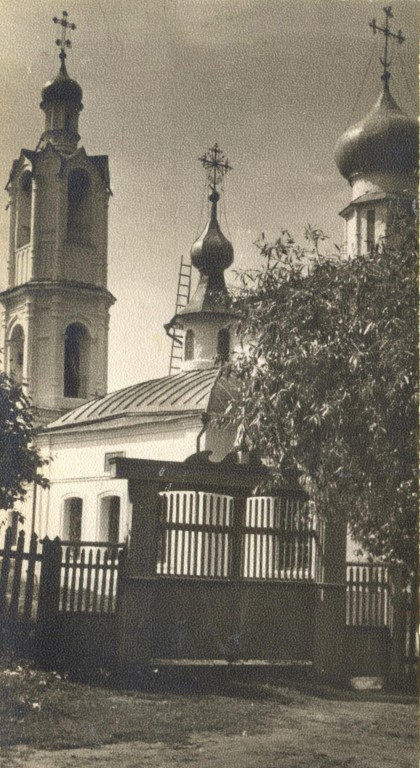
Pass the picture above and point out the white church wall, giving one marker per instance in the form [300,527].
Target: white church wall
[78,468]
[356,227]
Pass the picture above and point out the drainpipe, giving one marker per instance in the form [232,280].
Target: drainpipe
[205,418]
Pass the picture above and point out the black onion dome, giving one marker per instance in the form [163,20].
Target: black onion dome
[212,251]
[385,140]
[62,88]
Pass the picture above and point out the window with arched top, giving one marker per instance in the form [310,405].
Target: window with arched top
[189,345]
[16,352]
[76,360]
[79,207]
[223,344]
[71,528]
[24,205]
[109,519]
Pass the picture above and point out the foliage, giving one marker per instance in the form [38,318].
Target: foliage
[328,379]
[20,460]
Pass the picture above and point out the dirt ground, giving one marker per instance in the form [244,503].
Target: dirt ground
[50,722]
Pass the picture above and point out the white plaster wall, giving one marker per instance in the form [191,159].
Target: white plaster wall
[352,226]
[205,331]
[77,468]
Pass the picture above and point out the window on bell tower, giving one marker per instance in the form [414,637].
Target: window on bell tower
[79,212]
[16,349]
[24,205]
[76,360]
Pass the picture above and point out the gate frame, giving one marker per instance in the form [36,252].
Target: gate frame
[232,477]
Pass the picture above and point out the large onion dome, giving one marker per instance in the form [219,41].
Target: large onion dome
[61,89]
[385,141]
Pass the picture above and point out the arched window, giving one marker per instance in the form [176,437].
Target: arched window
[370,229]
[189,345]
[109,519]
[72,519]
[16,349]
[76,360]
[78,207]
[223,344]
[24,204]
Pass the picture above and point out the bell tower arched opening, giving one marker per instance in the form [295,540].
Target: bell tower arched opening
[76,360]
[79,208]
[16,352]
[23,231]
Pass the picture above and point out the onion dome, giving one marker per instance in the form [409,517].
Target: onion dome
[385,141]
[62,89]
[212,252]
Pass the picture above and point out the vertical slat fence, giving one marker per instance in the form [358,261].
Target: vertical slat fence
[89,577]
[368,595]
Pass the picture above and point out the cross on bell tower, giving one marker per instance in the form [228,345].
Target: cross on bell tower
[385,61]
[64,42]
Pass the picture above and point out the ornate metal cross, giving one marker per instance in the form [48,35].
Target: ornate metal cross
[386,63]
[217,166]
[63,42]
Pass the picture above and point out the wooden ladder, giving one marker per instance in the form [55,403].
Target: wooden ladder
[182,299]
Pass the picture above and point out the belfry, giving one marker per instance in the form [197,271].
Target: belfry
[56,303]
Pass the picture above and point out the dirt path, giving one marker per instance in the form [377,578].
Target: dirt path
[329,734]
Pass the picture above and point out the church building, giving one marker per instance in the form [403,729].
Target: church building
[56,310]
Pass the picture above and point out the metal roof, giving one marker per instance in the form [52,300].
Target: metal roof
[186,392]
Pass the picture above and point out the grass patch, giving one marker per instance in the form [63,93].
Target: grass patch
[45,710]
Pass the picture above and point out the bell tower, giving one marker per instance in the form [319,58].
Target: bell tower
[56,303]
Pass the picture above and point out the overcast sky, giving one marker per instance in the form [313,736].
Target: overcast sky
[274,82]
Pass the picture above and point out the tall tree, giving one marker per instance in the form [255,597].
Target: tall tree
[20,460]
[328,380]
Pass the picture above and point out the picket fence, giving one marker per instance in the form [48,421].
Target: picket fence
[201,536]
[55,575]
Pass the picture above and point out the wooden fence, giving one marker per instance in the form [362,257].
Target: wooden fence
[57,576]
[368,595]
[19,590]
[201,535]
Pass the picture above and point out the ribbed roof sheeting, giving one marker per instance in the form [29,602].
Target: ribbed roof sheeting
[191,391]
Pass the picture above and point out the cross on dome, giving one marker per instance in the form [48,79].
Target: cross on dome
[63,42]
[217,165]
[386,63]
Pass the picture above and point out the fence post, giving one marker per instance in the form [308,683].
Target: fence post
[330,606]
[4,575]
[49,600]
[136,589]
[399,626]
[239,511]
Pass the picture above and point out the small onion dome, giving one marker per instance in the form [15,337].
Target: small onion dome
[212,251]
[386,140]
[62,88]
